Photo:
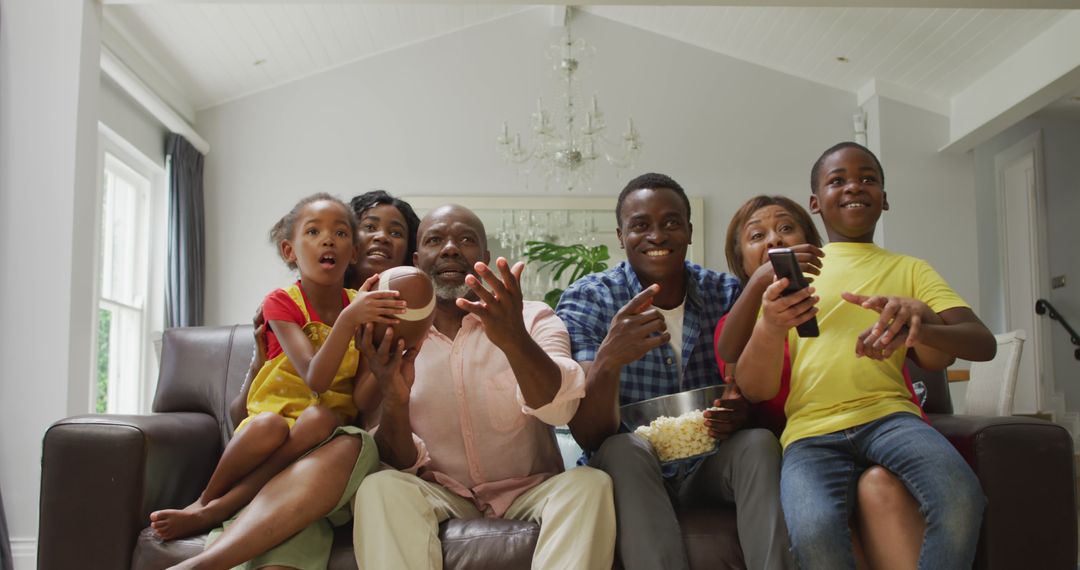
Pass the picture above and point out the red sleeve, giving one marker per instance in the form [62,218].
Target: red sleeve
[279,306]
[770,413]
[716,340]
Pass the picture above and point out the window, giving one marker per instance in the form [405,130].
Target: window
[129,300]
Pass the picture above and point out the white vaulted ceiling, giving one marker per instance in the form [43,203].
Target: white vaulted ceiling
[937,52]
[216,52]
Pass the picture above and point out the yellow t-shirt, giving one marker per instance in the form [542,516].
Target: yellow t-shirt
[831,389]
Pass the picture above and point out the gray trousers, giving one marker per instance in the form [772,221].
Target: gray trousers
[745,471]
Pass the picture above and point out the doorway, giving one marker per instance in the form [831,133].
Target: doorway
[1022,214]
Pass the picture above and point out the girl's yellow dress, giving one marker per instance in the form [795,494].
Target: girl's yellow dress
[279,389]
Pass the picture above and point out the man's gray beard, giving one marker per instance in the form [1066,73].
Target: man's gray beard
[450,292]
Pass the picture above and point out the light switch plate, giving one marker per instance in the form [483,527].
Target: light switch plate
[1057,282]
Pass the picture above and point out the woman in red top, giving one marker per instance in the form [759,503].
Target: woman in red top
[888,526]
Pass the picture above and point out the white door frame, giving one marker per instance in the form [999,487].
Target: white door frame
[1036,241]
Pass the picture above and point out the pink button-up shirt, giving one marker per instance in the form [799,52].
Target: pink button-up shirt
[475,435]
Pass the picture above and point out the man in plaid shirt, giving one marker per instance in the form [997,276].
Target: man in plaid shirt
[644,329]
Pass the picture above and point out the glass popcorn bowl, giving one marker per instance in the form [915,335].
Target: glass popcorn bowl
[674,424]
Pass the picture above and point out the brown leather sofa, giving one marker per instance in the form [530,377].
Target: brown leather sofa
[102,475]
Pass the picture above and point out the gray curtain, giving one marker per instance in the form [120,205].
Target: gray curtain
[186,273]
[6,563]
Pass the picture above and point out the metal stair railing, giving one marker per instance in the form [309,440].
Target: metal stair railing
[1043,307]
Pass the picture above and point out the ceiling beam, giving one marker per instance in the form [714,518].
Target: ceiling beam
[1004,4]
[145,96]
[560,16]
[879,88]
[157,75]
[1036,75]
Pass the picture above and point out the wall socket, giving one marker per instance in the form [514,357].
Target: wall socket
[1057,282]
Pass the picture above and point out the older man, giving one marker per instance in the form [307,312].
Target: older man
[644,329]
[467,420]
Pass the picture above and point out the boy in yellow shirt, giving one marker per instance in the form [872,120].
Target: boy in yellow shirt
[849,407]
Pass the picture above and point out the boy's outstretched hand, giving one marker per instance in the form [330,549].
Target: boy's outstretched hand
[899,324]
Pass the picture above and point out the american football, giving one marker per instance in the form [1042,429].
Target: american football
[415,288]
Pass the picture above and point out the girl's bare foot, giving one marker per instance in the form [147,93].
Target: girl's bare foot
[170,524]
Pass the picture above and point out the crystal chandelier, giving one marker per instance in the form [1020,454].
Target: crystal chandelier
[563,152]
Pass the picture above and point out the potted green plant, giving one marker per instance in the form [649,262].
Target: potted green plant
[581,260]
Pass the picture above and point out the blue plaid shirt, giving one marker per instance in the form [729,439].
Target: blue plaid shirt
[589,304]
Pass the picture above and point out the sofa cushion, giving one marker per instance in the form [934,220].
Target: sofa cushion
[488,543]
[467,544]
[152,553]
[711,538]
[709,534]
[202,370]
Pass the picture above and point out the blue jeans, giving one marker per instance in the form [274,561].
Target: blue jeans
[818,481]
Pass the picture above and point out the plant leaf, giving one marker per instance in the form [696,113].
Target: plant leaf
[560,258]
[552,297]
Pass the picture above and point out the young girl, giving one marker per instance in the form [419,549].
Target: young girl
[888,523]
[304,392]
[387,239]
[849,407]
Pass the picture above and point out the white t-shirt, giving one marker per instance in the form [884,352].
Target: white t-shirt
[673,318]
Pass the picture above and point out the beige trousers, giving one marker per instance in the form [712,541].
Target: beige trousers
[397,516]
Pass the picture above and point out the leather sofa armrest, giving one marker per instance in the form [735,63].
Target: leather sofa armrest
[102,476]
[1026,469]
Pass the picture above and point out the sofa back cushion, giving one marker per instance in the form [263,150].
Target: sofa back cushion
[202,370]
[938,399]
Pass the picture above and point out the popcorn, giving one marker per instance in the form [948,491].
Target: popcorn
[679,437]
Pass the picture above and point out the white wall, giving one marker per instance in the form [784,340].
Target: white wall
[1061,155]
[48,141]
[930,195]
[931,198]
[422,121]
